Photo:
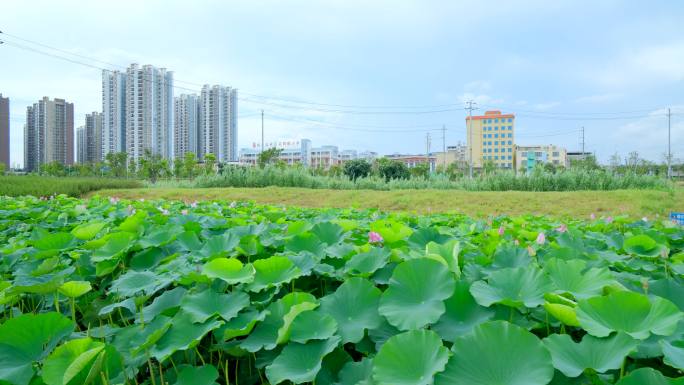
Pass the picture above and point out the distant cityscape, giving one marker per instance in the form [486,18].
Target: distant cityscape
[140,112]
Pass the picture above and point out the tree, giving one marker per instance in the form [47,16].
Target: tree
[392,169]
[3,167]
[153,166]
[189,164]
[420,170]
[356,168]
[268,156]
[488,166]
[550,167]
[209,163]
[178,167]
[116,161]
[54,168]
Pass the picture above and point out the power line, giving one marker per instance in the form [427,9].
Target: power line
[439,108]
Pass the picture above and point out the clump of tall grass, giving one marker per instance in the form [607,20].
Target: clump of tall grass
[566,180]
[15,185]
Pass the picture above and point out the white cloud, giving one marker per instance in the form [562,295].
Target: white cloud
[649,65]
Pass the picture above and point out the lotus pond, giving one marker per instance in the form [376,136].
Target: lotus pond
[107,291]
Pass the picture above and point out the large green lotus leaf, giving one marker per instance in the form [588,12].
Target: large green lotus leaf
[416,293]
[305,242]
[201,375]
[87,231]
[669,289]
[189,241]
[220,245]
[74,289]
[356,373]
[673,352]
[598,354]
[300,363]
[160,236]
[54,241]
[133,282]
[167,301]
[367,263]
[134,223]
[448,252]
[80,362]
[207,303]
[289,317]
[629,312]
[424,235]
[390,230]
[28,338]
[512,287]
[273,271]
[328,232]
[410,358]
[240,325]
[312,325]
[498,353]
[571,277]
[462,314]
[265,334]
[564,313]
[354,306]
[184,334]
[649,376]
[115,245]
[230,270]
[510,256]
[642,244]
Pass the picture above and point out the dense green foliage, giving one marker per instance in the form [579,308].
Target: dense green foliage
[357,168]
[106,291]
[395,177]
[43,186]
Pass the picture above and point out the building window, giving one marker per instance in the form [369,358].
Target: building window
[510,142]
[510,135]
[510,120]
[509,158]
[496,150]
[555,153]
[496,120]
[510,149]
[496,135]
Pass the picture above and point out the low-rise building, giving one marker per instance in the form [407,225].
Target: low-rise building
[296,151]
[454,154]
[411,160]
[527,157]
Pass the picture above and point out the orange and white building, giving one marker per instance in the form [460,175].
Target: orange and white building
[491,137]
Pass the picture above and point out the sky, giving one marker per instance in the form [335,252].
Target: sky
[373,75]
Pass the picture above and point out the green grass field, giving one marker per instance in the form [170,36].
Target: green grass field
[577,204]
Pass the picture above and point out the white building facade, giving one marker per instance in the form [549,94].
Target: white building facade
[218,123]
[186,119]
[149,111]
[113,112]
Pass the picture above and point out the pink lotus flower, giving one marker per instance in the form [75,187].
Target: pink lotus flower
[142,199]
[232,204]
[374,237]
[645,219]
[113,200]
[592,216]
[561,229]
[541,238]
[193,204]
[501,230]
[184,212]
[609,220]
[516,242]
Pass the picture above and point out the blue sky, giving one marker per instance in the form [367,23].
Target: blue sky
[610,66]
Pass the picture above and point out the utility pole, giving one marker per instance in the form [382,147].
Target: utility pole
[669,151]
[582,142]
[470,109]
[444,153]
[427,150]
[262,131]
